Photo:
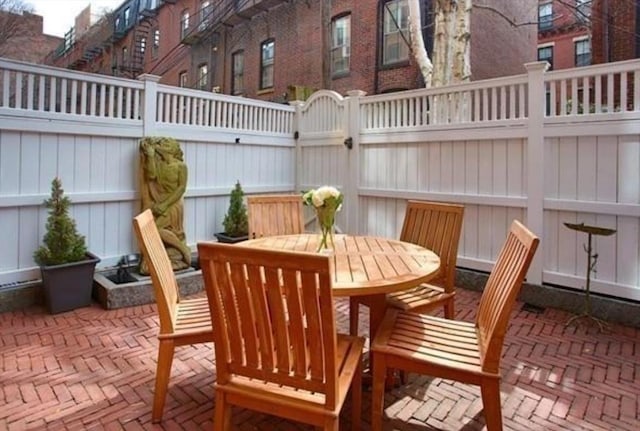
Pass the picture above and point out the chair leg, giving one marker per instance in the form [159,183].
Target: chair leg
[222,415]
[377,393]
[356,398]
[354,316]
[490,389]
[163,372]
[449,309]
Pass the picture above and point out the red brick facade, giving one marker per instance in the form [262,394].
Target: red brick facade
[29,44]
[615,35]
[301,31]
[561,34]
[612,28]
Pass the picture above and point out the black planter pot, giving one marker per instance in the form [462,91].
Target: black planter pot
[223,237]
[68,286]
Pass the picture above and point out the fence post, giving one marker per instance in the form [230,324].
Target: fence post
[535,161]
[149,103]
[352,133]
[298,151]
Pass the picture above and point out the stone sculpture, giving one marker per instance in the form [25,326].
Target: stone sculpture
[163,181]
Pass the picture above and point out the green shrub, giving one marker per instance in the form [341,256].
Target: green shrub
[62,242]
[236,222]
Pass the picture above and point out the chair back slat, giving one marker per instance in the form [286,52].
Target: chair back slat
[500,292]
[435,226]
[274,311]
[163,279]
[275,215]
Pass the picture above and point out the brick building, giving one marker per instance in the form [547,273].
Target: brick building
[279,49]
[564,33]
[23,39]
[582,32]
[616,34]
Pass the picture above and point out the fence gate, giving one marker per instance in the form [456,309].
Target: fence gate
[325,154]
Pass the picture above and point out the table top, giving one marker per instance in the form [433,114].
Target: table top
[364,265]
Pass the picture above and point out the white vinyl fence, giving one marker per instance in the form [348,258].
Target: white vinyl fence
[85,128]
[544,147]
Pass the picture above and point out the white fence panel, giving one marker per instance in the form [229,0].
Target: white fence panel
[595,180]
[28,87]
[467,144]
[323,159]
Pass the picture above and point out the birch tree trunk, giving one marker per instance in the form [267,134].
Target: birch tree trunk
[451,42]
[417,42]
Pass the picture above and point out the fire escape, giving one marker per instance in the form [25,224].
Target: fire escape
[223,12]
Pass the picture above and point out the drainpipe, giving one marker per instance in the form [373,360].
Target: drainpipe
[605,32]
[378,48]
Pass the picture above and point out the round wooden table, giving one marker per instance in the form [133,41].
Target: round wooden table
[365,266]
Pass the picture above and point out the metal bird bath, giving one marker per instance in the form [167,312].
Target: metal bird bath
[592,258]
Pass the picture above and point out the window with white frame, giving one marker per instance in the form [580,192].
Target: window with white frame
[237,66]
[267,61]
[143,45]
[545,53]
[203,76]
[127,17]
[156,42]
[545,16]
[184,24]
[340,45]
[205,12]
[583,9]
[395,44]
[182,79]
[583,52]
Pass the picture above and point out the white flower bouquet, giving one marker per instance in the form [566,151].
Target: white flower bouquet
[326,201]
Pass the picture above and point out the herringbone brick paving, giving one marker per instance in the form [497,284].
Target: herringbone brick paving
[92,369]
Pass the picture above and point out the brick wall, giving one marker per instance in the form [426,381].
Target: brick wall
[614,34]
[29,44]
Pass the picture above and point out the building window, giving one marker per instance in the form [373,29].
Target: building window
[125,56]
[205,11]
[156,42]
[395,46]
[143,45]
[583,9]
[546,54]
[267,50]
[184,24]
[545,16]
[237,85]
[182,79]
[203,76]
[340,45]
[127,16]
[583,52]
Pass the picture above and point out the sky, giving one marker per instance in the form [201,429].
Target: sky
[59,15]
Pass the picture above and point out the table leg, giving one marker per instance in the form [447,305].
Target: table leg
[377,308]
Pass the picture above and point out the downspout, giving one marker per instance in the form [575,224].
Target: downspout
[379,18]
[605,33]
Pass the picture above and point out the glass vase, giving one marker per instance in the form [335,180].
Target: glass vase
[326,221]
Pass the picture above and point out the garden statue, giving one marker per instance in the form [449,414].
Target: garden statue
[163,181]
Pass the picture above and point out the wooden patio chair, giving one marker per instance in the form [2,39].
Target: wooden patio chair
[275,215]
[457,350]
[435,226]
[276,349]
[182,321]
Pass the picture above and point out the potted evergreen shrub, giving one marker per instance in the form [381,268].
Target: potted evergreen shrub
[66,265]
[236,221]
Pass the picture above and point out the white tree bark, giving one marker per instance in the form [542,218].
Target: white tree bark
[462,42]
[417,42]
[451,60]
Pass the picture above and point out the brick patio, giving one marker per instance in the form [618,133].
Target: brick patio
[93,369]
